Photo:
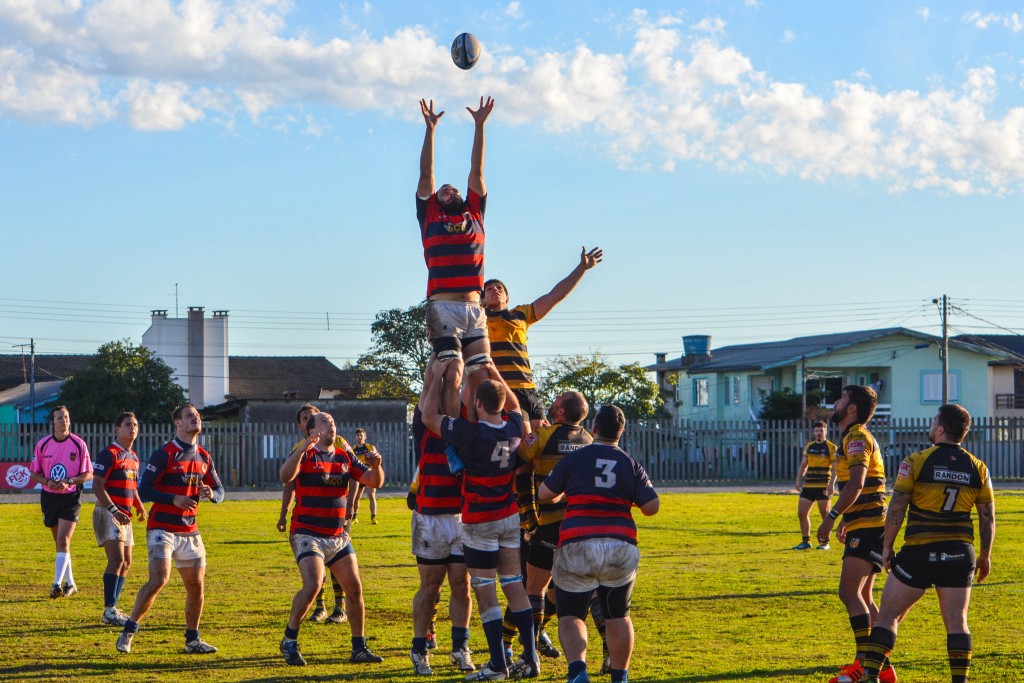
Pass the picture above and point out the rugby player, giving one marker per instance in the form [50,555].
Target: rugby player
[597,544]
[940,485]
[320,530]
[319,613]
[437,546]
[507,332]
[542,450]
[815,480]
[115,484]
[61,464]
[361,449]
[452,231]
[861,476]
[490,516]
[177,477]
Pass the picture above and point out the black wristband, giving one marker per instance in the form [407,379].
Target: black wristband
[112,508]
[834,514]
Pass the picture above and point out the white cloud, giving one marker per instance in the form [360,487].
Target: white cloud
[1014,22]
[925,13]
[679,95]
[514,10]
[788,36]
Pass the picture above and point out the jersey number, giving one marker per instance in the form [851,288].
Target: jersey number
[606,478]
[951,493]
[501,454]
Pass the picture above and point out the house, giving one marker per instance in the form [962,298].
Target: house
[903,365]
[18,404]
[1007,374]
[16,368]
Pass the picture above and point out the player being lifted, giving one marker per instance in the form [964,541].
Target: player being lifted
[815,480]
[940,485]
[861,475]
[452,231]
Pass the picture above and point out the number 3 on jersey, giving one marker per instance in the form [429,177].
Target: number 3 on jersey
[605,478]
[501,454]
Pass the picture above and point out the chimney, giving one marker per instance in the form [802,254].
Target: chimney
[659,358]
[159,313]
[196,355]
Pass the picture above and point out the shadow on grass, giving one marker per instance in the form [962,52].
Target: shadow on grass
[749,675]
[275,541]
[746,596]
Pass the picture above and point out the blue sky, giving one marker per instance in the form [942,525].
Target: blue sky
[753,170]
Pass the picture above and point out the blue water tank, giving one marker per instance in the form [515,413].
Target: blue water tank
[696,345]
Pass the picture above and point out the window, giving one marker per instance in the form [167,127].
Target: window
[700,392]
[736,391]
[931,386]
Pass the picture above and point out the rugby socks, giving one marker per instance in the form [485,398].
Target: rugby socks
[118,587]
[61,566]
[69,578]
[537,608]
[508,629]
[320,597]
[419,645]
[576,668]
[339,593]
[960,647]
[109,589]
[291,633]
[358,643]
[524,621]
[492,630]
[877,648]
[807,539]
[131,626]
[861,625]
[191,634]
[460,638]
[549,611]
[619,675]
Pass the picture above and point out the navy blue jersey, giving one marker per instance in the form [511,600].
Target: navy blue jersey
[490,457]
[601,483]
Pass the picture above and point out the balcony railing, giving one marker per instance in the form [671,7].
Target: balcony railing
[1010,401]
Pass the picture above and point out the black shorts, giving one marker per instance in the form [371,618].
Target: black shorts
[944,565]
[58,506]
[530,404]
[543,544]
[813,494]
[867,545]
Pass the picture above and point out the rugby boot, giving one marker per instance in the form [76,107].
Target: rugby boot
[851,673]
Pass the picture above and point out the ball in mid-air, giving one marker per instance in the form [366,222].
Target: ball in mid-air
[466,50]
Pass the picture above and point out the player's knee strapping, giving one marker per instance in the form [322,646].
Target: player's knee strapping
[446,347]
[491,613]
[480,582]
[478,359]
[506,579]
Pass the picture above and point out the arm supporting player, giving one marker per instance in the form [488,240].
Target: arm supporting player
[848,496]
[543,305]
[987,534]
[430,397]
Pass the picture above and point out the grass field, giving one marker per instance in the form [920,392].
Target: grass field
[720,598]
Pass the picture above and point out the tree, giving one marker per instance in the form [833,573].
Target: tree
[122,377]
[786,404]
[399,352]
[627,386]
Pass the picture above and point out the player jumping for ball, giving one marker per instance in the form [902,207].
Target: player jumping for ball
[452,230]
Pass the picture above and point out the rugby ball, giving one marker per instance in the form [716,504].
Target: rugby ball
[466,50]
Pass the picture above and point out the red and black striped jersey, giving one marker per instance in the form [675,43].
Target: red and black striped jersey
[489,453]
[439,491]
[453,246]
[601,483]
[120,469]
[176,469]
[321,491]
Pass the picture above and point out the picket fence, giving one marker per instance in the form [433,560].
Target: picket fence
[693,452]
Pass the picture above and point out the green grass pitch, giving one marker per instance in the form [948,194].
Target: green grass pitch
[720,597]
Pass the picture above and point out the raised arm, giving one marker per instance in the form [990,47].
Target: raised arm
[425,188]
[588,259]
[476,165]
[430,397]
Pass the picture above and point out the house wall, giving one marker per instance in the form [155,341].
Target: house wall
[168,338]
[1002,382]
[341,411]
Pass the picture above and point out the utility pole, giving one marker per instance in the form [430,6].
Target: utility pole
[803,390]
[944,347]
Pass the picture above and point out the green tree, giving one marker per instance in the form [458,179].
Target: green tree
[398,354]
[627,386]
[122,377]
[786,404]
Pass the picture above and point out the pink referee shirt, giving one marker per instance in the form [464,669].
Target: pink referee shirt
[61,459]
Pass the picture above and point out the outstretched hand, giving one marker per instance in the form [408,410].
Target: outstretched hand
[589,259]
[429,117]
[480,115]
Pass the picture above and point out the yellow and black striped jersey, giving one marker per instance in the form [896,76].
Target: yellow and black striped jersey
[506,331]
[545,449]
[821,455]
[858,448]
[361,451]
[339,443]
[944,483]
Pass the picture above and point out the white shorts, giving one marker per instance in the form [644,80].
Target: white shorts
[107,529]
[489,536]
[187,550]
[463,319]
[327,548]
[584,565]
[436,537]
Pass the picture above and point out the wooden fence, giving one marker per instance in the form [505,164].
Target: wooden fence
[249,455]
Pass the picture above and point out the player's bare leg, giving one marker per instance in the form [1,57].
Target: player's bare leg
[346,569]
[194,579]
[311,569]
[803,513]
[620,641]
[159,575]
